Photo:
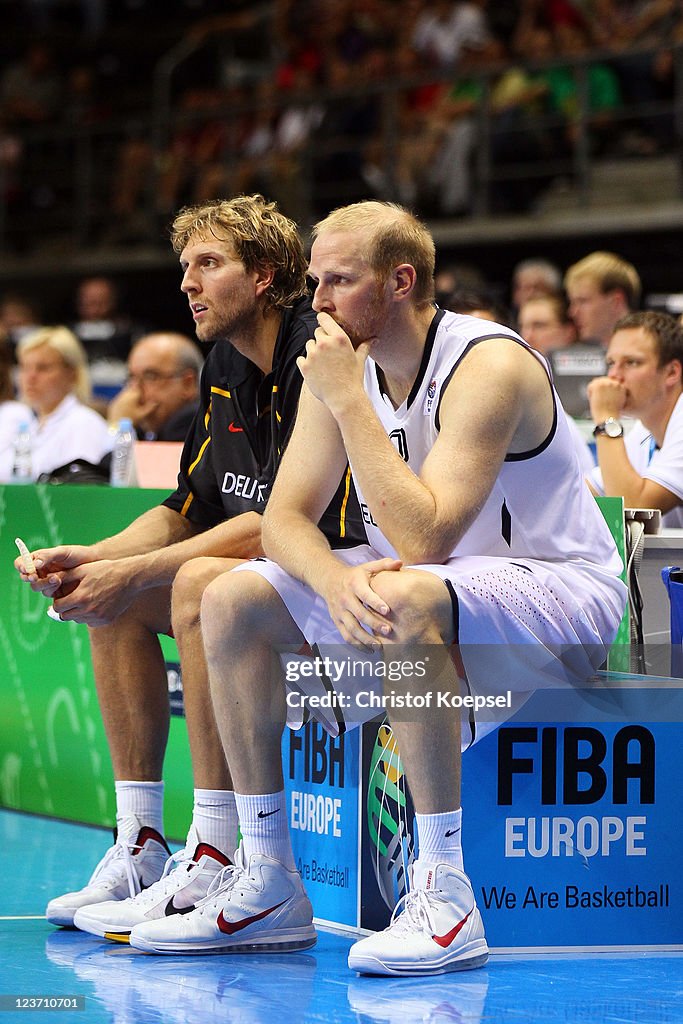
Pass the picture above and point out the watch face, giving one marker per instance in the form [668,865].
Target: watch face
[613,428]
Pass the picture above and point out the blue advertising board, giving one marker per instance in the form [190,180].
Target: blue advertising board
[571,824]
[571,834]
[321,782]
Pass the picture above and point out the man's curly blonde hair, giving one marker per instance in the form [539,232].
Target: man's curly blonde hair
[262,239]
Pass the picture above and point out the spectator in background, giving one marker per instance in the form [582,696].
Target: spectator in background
[30,88]
[19,315]
[602,288]
[545,323]
[644,380]
[55,383]
[445,29]
[105,332]
[12,413]
[161,396]
[534,277]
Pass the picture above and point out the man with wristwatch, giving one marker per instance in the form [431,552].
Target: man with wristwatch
[644,382]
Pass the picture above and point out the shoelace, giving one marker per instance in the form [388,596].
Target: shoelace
[225,880]
[165,884]
[106,869]
[414,911]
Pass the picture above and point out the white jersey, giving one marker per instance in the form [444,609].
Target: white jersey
[534,582]
[539,508]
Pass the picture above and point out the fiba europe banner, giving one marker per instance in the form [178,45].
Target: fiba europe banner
[573,840]
[569,832]
[321,782]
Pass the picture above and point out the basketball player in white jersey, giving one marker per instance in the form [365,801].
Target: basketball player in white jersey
[483,541]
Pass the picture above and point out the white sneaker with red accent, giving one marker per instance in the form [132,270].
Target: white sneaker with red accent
[251,907]
[186,880]
[135,861]
[435,928]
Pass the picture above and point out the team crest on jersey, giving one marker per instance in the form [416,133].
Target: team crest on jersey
[432,389]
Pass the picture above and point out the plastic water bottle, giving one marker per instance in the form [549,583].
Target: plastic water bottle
[122,472]
[22,462]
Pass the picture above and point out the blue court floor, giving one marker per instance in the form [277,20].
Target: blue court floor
[41,858]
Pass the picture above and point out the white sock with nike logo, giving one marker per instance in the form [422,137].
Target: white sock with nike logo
[214,817]
[439,838]
[265,828]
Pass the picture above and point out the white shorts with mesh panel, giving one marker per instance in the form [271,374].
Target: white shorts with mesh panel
[520,625]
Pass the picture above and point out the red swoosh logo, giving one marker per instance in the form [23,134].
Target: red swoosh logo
[235,430]
[445,940]
[230,927]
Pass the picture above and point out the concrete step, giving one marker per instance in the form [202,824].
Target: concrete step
[641,182]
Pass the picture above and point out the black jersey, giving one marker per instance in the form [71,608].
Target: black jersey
[238,436]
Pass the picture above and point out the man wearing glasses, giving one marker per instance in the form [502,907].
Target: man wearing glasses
[161,395]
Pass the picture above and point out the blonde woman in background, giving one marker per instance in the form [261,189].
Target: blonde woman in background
[12,414]
[54,381]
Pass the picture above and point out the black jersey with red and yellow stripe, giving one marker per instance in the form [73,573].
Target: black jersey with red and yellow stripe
[237,438]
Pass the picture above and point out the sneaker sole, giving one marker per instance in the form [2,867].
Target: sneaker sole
[466,961]
[65,920]
[282,942]
[103,931]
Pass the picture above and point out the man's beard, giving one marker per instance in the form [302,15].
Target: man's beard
[368,322]
[236,323]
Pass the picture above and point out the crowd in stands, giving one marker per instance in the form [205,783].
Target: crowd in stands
[320,102]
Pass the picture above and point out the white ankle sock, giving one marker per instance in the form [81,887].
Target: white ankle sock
[214,816]
[143,799]
[439,838]
[265,828]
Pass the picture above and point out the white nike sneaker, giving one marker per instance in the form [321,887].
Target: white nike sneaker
[436,927]
[135,861]
[259,906]
[185,881]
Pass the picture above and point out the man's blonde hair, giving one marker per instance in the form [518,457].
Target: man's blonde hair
[262,239]
[392,235]
[65,342]
[609,272]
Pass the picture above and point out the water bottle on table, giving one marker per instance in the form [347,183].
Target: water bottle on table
[22,461]
[122,472]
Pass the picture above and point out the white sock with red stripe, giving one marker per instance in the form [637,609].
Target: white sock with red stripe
[265,828]
[143,799]
[439,838]
[214,817]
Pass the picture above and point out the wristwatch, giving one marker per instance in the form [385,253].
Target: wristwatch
[610,428]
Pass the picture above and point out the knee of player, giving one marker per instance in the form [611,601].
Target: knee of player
[414,612]
[188,586]
[231,611]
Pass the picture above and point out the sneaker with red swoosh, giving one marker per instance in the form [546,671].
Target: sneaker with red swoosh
[135,861]
[185,881]
[254,906]
[435,928]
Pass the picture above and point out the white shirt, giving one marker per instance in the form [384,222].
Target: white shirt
[662,465]
[71,431]
[444,39]
[12,415]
